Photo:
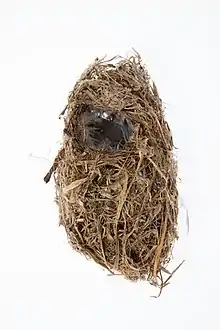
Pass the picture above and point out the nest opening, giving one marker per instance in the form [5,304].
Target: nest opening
[103,129]
[116,174]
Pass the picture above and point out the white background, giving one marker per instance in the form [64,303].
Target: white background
[45,45]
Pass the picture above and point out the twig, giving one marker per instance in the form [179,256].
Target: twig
[54,166]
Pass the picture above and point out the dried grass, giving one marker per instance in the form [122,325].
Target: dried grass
[119,208]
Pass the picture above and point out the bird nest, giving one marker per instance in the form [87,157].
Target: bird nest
[115,175]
